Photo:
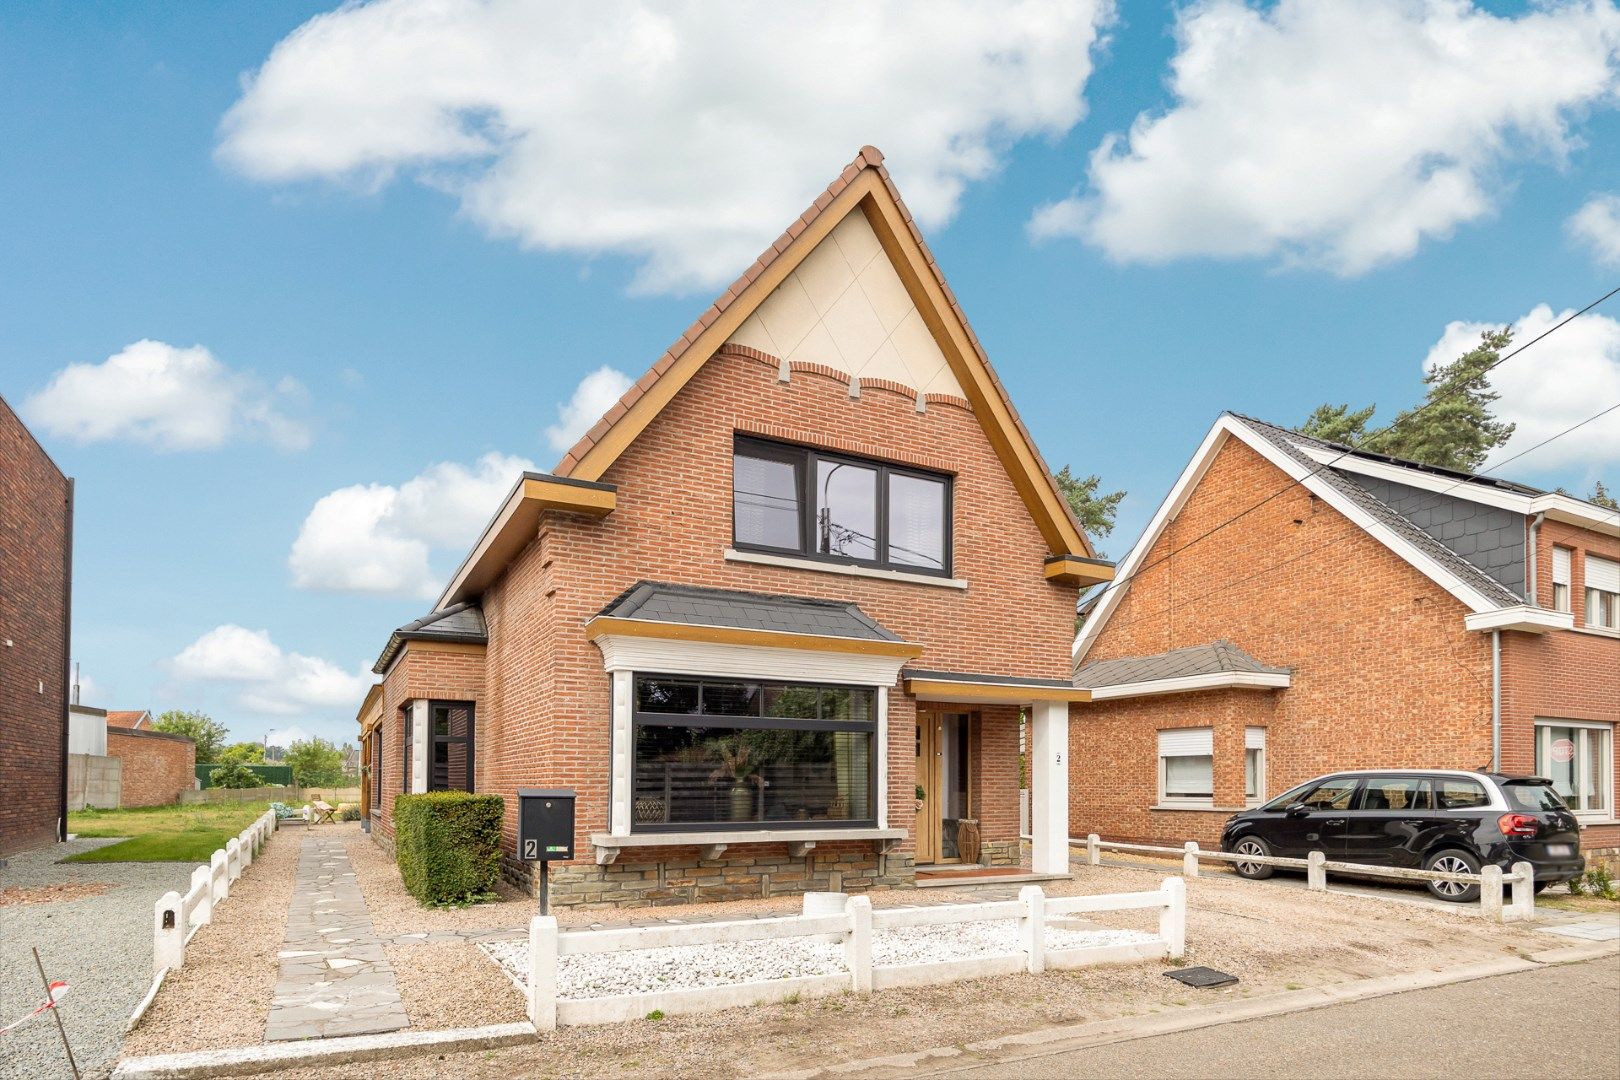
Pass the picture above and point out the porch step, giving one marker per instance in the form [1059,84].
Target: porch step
[967,878]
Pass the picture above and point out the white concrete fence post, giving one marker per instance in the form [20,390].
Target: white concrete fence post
[1189,861]
[1524,892]
[1490,893]
[200,883]
[858,949]
[168,933]
[1032,928]
[1173,917]
[543,972]
[233,858]
[245,844]
[1093,849]
[1315,872]
[219,872]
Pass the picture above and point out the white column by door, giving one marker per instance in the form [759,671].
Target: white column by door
[1049,787]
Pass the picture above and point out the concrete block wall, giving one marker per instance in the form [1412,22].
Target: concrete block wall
[95,781]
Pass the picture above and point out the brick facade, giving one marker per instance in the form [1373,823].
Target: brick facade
[157,766]
[36,540]
[1385,675]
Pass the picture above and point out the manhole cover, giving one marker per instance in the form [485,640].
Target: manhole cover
[1202,977]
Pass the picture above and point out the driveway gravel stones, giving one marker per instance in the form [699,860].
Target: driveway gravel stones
[99,941]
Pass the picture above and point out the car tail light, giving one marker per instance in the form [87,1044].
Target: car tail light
[1518,824]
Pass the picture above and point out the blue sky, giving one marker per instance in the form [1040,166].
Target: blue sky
[402,244]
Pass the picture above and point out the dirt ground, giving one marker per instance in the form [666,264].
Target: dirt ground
[1272,939]
[221,997]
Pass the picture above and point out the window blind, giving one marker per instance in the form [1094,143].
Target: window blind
[1602,574]
[1560,566]
[1254,738]
[1187,742]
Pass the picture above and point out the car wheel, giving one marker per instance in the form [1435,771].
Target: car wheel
[1252,845]
[1542,886]
[1453,861]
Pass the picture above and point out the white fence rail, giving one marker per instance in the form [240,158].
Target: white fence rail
[1491,880]
[854,928]
[175,917]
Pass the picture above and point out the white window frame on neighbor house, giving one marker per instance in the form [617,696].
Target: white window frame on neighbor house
[1254,765]
[1560,578]
[1602,589]
[1196,742]
[1590,738]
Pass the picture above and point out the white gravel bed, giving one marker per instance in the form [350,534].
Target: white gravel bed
[100,945]
[690,967]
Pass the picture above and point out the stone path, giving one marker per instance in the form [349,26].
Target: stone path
[335,978]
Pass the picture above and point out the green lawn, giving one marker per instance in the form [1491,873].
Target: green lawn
[185,833]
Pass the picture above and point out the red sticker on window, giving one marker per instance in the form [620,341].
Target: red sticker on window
[1563,750]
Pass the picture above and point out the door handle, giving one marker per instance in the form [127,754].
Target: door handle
[1334,821]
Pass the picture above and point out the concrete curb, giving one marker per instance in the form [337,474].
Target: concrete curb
[938,1061]
[247,1060]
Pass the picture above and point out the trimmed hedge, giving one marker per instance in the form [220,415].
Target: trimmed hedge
[270,774]
[448,844]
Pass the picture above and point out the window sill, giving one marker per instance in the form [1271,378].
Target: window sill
[1198,808]
[792,562]
[1596,631]
[1588,822]
[713,842]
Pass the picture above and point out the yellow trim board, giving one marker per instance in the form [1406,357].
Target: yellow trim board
[992,693]
[1072,571]
[606,625]
[371,701]
[515,524]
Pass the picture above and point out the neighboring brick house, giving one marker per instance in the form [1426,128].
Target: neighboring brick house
[36,593]
[811,564]
[129,718]
[157,766]
[1358,613]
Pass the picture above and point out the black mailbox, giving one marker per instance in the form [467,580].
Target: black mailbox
[545,824]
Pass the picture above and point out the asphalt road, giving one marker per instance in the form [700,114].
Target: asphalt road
[1557,1021]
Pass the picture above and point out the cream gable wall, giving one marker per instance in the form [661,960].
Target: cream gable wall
[844,307]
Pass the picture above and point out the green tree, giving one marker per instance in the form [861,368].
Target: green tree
[315,763]
[242,753]
[1601,496]
[202,729]
[234,775]
[1094,512]
[1452,428]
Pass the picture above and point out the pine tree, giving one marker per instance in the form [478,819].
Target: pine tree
[1601,496]
[1337,424]
[1095,512]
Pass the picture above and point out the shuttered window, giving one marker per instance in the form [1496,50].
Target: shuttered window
[1187,766]
[1254,765]
[1560,577]
[1602,593]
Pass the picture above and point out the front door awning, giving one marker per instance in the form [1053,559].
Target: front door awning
[975,687]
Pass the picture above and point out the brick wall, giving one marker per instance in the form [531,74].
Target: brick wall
[445,671]
[1385,674]
[157,766]
[35,560]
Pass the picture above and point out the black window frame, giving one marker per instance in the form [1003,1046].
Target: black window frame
[806,461]
[434,739]
[759,722]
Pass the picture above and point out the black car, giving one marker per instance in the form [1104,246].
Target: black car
[1433,819]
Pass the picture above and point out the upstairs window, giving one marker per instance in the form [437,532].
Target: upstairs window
[1560,578]
[1602,593]
[800,501]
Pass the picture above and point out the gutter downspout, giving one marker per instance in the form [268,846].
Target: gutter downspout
[1496,701]
[1535,531]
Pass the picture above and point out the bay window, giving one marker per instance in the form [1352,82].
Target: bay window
[741,753]
[1578,759]
[832,507]
[1187,767]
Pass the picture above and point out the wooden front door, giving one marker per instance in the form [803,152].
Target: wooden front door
[943,774]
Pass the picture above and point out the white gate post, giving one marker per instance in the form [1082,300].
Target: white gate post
[1490,892]
[219,872]
[1173,917]
[1032,928]
[858,949]
[1315,872]
[204,911]
[1093,849]
[168,933]
[233,858]
[1524,892]
[1189,861]
[543,972]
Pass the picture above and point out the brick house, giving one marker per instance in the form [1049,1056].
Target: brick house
[1363,612]
[758,617]
[36,592]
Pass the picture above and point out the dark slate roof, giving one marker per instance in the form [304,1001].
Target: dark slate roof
[1212,659]
[1292,444]
[462,622]
[988,680]
[653,601]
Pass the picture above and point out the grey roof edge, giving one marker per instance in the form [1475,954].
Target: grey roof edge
[470,630]
[630,603]
[987,680]
[1218,657]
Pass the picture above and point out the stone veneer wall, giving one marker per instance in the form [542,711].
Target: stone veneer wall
[1001,852]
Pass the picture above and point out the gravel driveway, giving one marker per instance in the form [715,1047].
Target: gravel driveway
[101,945]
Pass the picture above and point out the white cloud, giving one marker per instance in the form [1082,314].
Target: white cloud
[595,395]
[1597,225]
[170,397]
[285,736]
[1563,380]
[378,538]
[683,135]
[272,680]
[1339,134]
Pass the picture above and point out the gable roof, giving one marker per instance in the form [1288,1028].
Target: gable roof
[863,186]
[1306,461]
[462,623]
[692,605]
[1218,657]
[130,718]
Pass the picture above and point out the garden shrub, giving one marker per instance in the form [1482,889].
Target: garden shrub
[348,812]
[235,775]
[448,844]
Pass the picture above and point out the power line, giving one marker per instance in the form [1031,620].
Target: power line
[1539,445]
[1346,451]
